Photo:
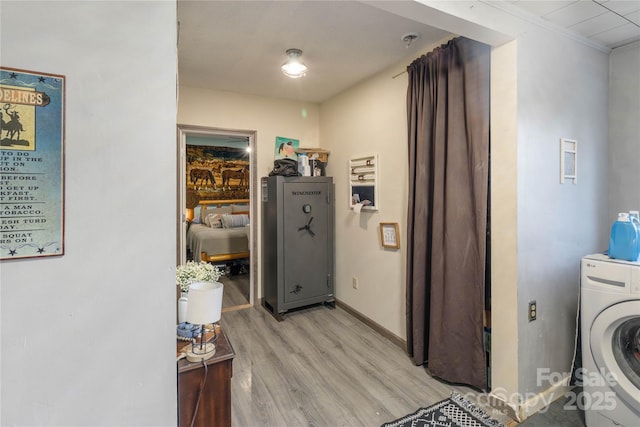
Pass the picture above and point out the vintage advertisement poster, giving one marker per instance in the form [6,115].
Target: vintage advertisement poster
[31,164]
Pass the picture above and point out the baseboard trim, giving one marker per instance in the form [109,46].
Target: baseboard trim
[373,325]
[544,398]
[499,403]
[524,409]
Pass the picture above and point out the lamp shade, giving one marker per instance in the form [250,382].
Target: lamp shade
[205,303]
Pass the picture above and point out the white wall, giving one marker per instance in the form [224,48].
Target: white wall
[367,119]
[562,93]
[268,117]
[504,217]
[88,337]
[624,130]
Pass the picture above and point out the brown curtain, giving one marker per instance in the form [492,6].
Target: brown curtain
[448,119]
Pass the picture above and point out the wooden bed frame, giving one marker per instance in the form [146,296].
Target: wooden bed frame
[220,203]
[224,257]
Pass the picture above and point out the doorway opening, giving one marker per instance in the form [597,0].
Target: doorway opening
[215,207]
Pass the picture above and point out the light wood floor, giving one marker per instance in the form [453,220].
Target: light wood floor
[323,367]
[236,290]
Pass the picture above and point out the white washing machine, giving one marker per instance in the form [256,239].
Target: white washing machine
[610,322]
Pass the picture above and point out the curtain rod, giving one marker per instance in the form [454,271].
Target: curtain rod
[399,74]
[442,43]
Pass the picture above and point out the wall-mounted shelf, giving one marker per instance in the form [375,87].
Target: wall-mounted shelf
[363,183]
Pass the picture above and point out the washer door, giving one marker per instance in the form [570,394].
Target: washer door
[615,345]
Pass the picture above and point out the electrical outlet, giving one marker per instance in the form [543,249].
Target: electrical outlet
[533,311]
[354,282]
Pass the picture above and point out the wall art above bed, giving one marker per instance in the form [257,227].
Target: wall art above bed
[218,173]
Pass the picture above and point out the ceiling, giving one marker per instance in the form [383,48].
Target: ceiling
[610,23]
[239,46]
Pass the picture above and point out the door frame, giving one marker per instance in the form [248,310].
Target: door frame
[182,132]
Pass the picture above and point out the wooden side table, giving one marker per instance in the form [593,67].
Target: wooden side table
[215,402]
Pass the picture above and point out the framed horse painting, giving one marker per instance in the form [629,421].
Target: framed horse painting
[217,173]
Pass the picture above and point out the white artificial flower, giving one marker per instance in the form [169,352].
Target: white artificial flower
[193,272]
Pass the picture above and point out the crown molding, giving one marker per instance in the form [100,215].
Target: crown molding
[629,46]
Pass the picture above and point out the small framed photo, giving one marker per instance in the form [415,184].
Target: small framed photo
[390,235]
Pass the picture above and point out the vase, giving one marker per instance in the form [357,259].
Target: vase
[182,307]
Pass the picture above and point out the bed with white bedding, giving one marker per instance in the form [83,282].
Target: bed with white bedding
[220,233]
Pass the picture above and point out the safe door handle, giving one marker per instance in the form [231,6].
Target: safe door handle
[308,227]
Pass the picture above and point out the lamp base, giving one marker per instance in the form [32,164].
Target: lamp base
[205,353]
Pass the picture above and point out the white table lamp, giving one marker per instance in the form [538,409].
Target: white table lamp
[204,308]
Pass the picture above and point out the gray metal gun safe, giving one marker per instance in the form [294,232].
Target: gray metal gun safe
[297,242]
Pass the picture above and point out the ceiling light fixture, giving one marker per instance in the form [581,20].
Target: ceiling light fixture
[294,67]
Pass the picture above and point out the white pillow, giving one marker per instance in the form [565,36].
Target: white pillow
[206,211]
[214,220]
[233,221]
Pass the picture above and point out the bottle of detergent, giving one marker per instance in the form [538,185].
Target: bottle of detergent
[634,217]
[623,243]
